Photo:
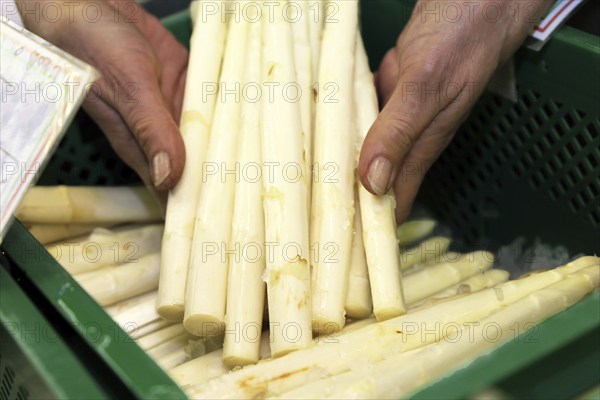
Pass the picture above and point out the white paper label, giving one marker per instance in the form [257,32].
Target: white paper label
[41,89]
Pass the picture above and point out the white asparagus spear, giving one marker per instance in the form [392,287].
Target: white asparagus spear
[411,231]
[403,373]
[88,204]
[161,336]
[474,283]
[206,52]
[207,277]
[177,351]
[447,257]
[315,27]
[377,212]
[333,197]
[137,316]
[429,281]
[149,328]
[115,283]
[210,365]
[359,303]
[287,272]
[163,349]
[50,233]
[124,306]
[104,247]
[430,250]
[302,57]
[484,280]
[245,286]
[374,342]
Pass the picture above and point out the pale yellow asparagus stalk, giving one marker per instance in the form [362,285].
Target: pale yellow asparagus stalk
[245,286]
[302,57]
[177,351]
[124,306]
[206,53]
[377,212]
[161,336]
[477,282]
[374,342]
[359,303]
[206,292]
[149,328]
[284,197]
[103,247]
[210,365]
[431,280]
[115,283]
[447,257]
[315,27]
[87,205]
[177,342]
[411,231]
[486,279]
[137,316]
[430,250]
[50,233]
[332,208]
[403,373]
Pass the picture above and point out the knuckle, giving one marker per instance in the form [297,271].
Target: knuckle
[402,133]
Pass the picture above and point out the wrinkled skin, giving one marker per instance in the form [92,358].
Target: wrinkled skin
[429,82]
[137,101]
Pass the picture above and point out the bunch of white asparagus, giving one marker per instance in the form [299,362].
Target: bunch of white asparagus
[269,197]
[453,299]
[269,212]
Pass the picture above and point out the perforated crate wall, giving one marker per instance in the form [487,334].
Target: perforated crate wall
[85,157]
[513,168]
[10,389]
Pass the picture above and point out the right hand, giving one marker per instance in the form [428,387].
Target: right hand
[138,99]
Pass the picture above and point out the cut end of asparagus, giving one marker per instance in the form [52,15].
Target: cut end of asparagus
[171,312]
[385,313]
[323,323]
[411,231]
[203,325]
[358,311]
[238,361]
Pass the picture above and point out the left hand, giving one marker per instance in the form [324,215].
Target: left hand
[428,84]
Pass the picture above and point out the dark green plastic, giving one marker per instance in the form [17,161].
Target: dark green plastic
[108,342]
[35,362]
[528,169]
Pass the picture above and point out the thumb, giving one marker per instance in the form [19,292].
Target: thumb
[408,112]
[143,108]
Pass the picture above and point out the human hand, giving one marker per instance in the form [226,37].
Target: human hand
[429,82]
[137,101]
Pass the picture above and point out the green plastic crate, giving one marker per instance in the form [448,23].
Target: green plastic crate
[530,168]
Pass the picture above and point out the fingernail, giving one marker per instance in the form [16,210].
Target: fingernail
[161,168]
[379,175]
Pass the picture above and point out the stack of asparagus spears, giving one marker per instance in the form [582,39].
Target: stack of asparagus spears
[458,308]
[293,225]
[349,312]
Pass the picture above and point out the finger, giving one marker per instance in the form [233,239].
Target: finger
[141,104]
[173,57]
[123,142]
[410,109]
[413,170]
[387,76]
